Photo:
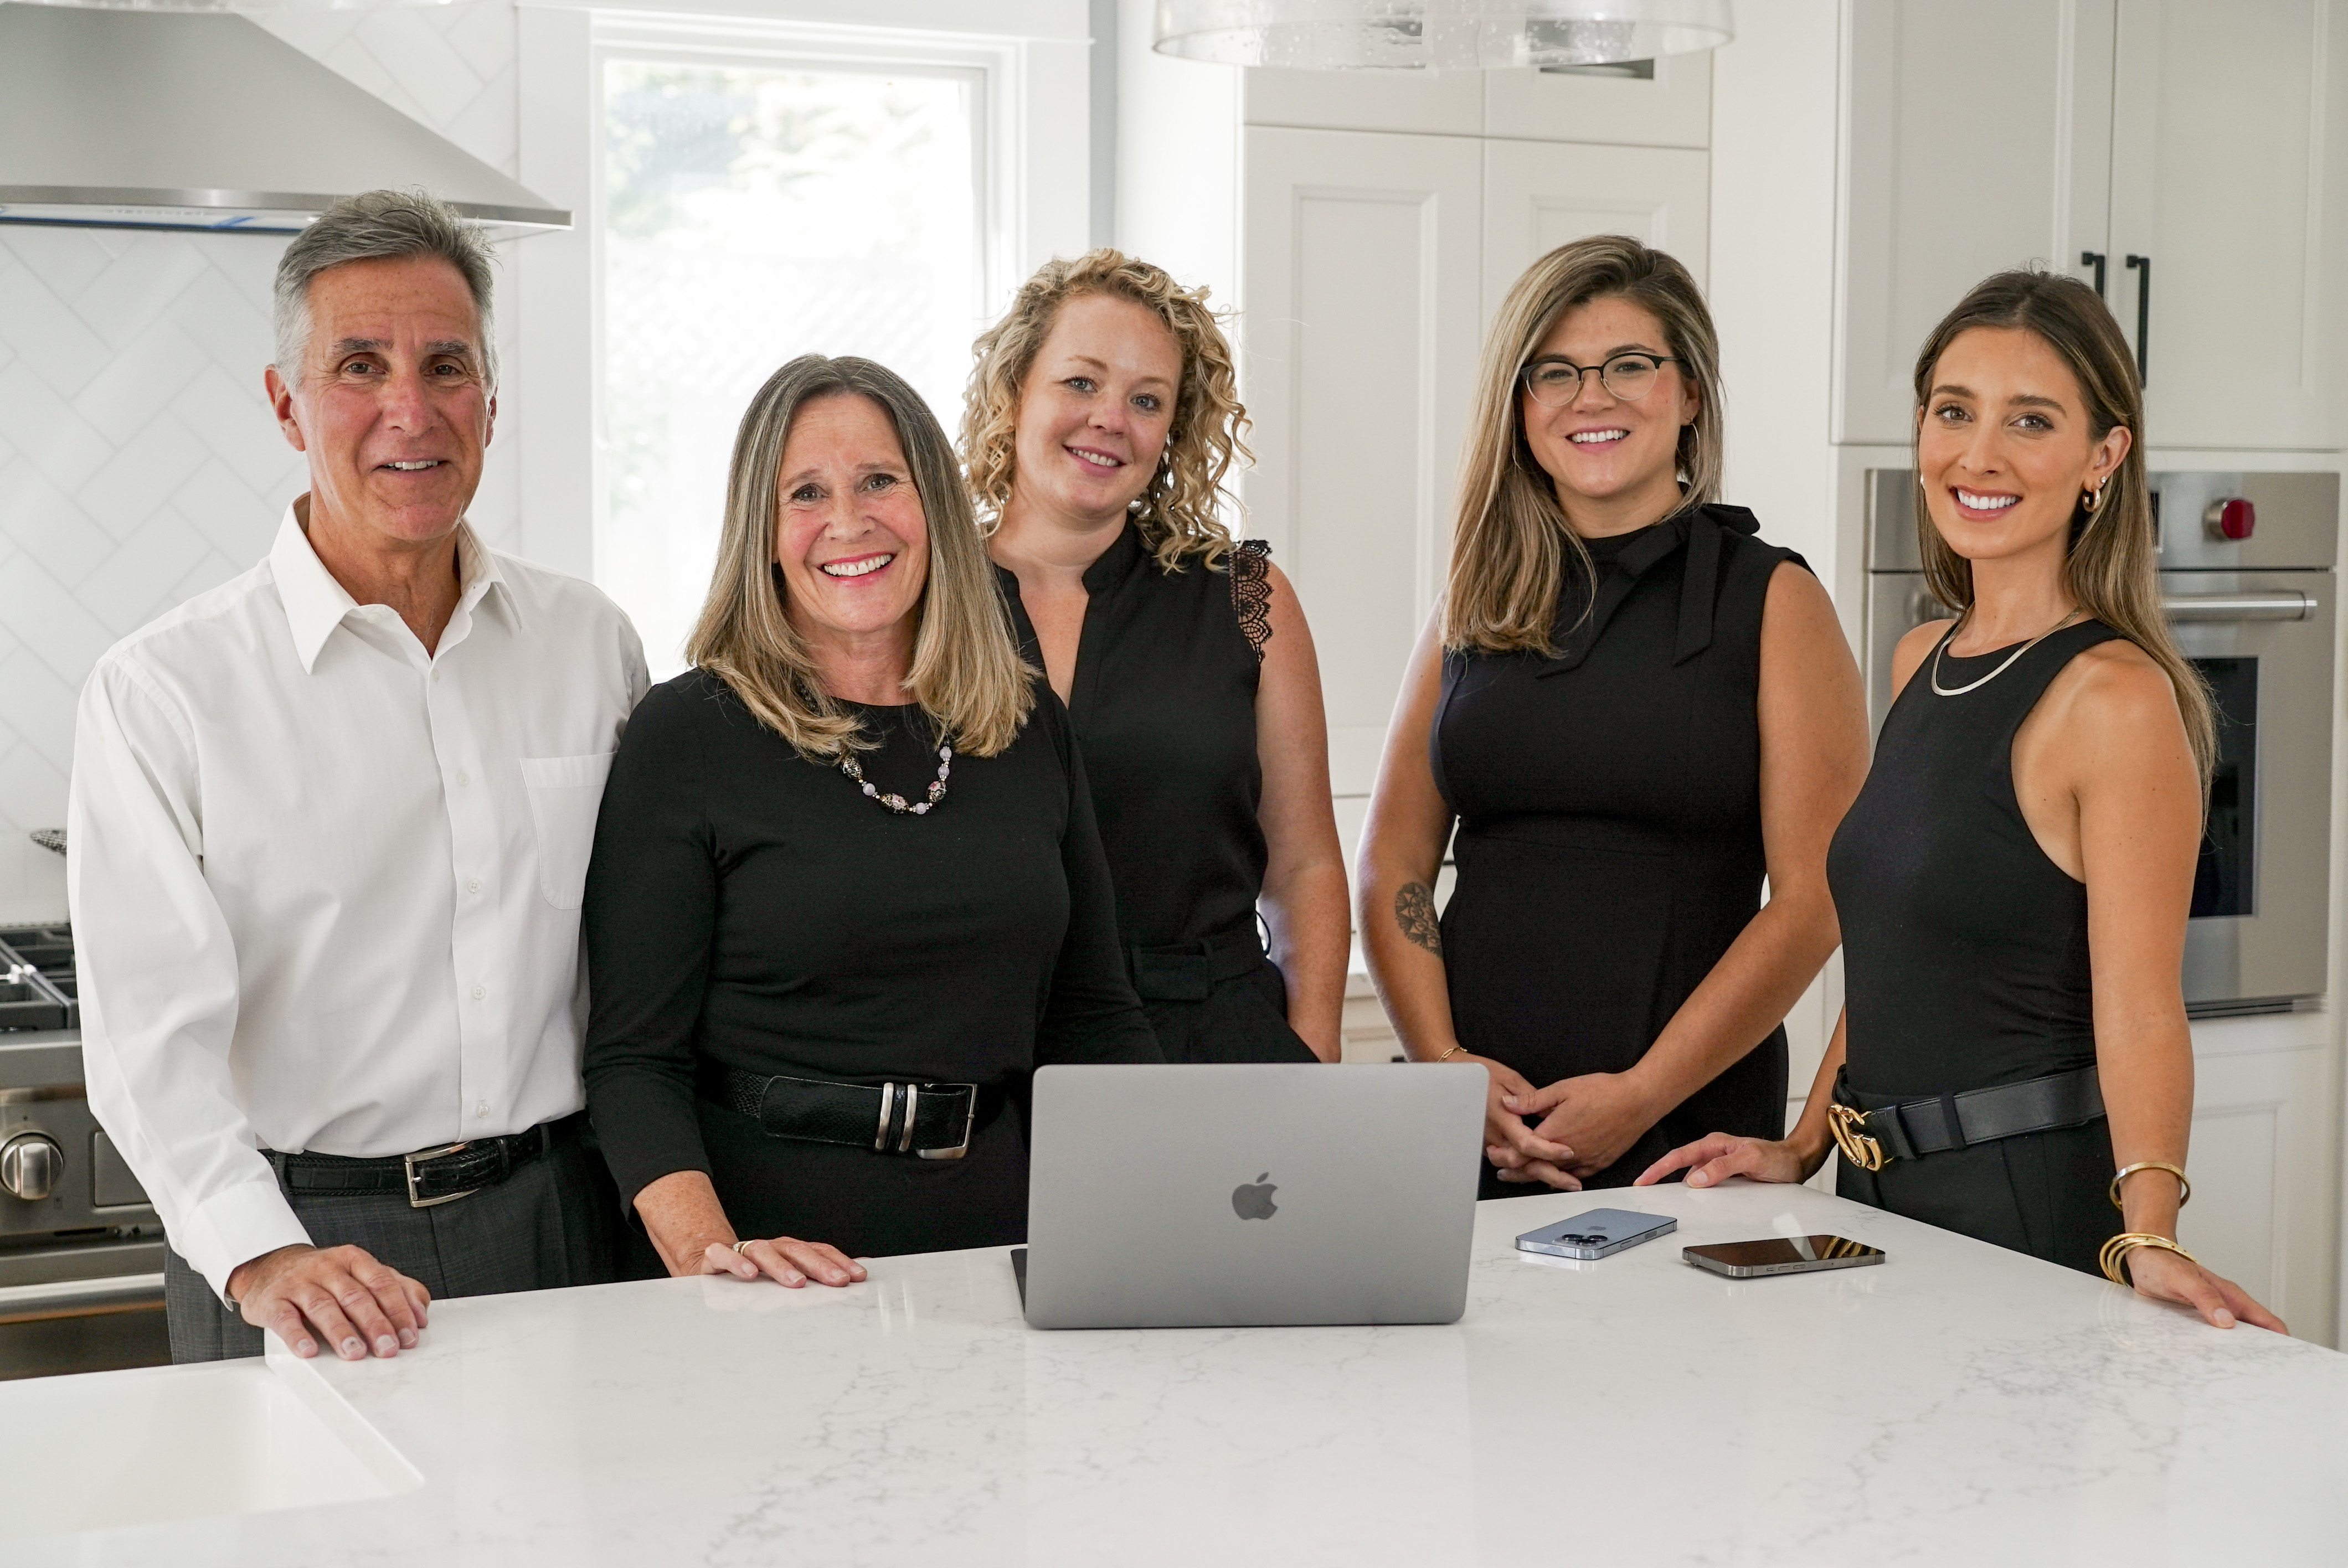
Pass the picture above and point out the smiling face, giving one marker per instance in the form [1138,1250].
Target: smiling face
[1613,462]
[392,407]
[851,536]
[1095,410]
[2003,447]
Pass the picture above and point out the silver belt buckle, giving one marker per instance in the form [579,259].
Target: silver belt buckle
[408,1161]
[969,1120]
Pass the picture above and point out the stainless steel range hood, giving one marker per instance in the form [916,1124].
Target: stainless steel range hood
[117,119]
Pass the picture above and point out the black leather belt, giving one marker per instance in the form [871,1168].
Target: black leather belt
[932,1120]
[1188,972]
[429,1176]
[1872,1129]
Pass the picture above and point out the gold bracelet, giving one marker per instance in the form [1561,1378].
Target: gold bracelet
[2113,1258]
[1452,1052]
[2185,1188]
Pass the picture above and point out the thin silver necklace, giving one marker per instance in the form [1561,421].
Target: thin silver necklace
[1941,690]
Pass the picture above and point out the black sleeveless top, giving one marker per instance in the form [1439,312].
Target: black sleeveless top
[1965,958]
[1609,845]
[1164,706]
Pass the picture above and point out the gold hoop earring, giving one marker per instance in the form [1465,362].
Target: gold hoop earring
[2091,501]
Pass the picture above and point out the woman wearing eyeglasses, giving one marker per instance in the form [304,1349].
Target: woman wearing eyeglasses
[1633,711]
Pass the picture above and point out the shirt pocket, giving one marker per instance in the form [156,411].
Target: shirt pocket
[565,793]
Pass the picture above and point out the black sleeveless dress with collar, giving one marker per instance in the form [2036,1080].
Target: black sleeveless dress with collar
[1163,705]
[1608,846]
[1965,960]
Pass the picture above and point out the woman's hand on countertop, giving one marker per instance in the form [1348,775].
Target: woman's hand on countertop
[2160,1274]
[1716,1156]
[784,1259]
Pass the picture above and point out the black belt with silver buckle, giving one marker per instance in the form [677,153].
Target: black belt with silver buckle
[429,1176]
[928,1121]
[1873,1135]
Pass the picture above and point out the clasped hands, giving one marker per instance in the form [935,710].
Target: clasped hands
[1563,1133]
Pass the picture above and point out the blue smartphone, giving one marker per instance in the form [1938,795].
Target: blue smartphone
[1598,1233]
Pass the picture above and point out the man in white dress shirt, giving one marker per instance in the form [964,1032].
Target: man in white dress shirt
[330,826]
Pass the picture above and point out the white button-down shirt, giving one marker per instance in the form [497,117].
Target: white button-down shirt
[325,886]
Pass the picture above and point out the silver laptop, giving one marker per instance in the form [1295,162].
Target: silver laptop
[1213,1196]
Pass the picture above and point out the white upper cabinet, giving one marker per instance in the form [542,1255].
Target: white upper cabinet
[1672,107]
[1539,195]
[2218,176]
[1362,282]
[1978,138]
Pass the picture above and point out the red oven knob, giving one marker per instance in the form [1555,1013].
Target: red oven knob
[2231,518]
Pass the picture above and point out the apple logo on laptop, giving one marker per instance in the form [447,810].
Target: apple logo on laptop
[1252,1200]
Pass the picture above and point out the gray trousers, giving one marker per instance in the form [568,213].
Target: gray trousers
[552,1222]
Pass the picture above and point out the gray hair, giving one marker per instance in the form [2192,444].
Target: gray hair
[379,225]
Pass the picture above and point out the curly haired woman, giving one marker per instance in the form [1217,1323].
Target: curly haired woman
[1101,422]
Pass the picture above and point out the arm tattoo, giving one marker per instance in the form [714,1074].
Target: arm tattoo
[1415,913]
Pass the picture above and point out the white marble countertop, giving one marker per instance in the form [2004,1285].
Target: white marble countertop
[1956,1405]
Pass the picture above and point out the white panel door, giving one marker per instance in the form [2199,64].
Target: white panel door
[1360,346]
[2218,180]
[1672,109]
[1539,195]
[1978,139]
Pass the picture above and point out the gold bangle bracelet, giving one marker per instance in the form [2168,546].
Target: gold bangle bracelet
[2113,1258]
[2185,1187]
[1452,1052]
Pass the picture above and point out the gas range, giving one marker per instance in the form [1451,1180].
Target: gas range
[79,1242]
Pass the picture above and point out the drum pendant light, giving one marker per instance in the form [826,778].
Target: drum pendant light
[1438,34]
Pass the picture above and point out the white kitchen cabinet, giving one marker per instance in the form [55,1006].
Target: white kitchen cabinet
[1672,108]
[1977,139]
[1362,284]
[2220,119]
[2189,142]
[1539,195]
[2262,1212]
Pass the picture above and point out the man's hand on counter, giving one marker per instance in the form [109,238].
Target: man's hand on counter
[339,1295]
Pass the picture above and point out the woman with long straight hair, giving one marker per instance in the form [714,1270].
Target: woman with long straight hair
[2014,1060]
[1633,711]
[1102,418]
[845,892]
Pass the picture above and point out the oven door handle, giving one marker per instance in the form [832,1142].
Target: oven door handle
[2276,604]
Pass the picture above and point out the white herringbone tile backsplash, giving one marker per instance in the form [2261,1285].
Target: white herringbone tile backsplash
[139,463]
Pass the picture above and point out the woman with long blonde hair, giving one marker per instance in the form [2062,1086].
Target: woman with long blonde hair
[1102,418]
[845,892]
[1632,710]
[2012,1060]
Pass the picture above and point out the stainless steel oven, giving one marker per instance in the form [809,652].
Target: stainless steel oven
[81,1249]
[2246,574]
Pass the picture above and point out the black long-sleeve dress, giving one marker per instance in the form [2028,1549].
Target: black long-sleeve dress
[749,908]
[1164,705]
[1610,844]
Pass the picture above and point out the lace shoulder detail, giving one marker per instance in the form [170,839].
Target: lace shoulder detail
[1251,591]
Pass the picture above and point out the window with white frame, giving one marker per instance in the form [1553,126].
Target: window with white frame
[759,200]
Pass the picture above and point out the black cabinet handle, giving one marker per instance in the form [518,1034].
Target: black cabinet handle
[2095,259]
[2143,319]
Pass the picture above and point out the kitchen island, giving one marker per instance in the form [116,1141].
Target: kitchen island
[1957,1404]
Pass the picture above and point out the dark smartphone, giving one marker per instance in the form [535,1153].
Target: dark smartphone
[1781,1254]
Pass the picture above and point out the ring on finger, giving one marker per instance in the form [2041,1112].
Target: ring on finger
[746,1241]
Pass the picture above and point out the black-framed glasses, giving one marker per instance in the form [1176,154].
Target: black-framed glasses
[1554,383]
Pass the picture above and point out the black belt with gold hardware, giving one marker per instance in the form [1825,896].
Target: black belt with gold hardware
[1872,1129]
[930,1121]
